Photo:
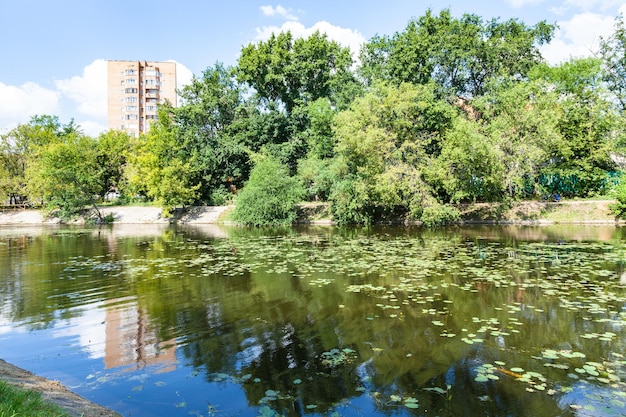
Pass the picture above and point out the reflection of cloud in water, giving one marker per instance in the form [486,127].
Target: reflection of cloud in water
[117,332]
[589,399]
[88,328]
[130,230]
[622,278]
[7,328]
[251,351]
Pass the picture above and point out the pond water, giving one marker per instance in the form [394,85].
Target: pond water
[169,320]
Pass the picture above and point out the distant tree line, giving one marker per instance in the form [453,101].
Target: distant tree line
[449,110]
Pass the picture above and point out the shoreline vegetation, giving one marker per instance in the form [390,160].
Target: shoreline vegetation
[51,392]
[419,126]
[449,110]
[521,213]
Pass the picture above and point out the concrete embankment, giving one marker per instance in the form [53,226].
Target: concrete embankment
[524,212]
[123,215]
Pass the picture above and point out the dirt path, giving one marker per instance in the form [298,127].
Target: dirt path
[53,391]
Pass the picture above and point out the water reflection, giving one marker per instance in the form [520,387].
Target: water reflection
[461,321]
[130,342]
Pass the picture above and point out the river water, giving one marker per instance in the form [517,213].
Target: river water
[161,320]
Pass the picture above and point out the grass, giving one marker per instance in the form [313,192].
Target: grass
[18,402]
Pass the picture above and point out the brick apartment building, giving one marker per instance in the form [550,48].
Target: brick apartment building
[135,88]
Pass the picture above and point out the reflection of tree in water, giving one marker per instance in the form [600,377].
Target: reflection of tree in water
[274,352]
[276,325]
[293,358]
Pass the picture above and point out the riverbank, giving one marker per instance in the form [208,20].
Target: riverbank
[535,212]
[524,212]
[123,215]
[53,392]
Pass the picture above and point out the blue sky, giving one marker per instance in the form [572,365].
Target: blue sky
[53,52]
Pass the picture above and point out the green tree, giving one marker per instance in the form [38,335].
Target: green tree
[113,149]
[459,54]
[613,55]
[202,126]
[270,196]
[13,158]
[319,131]
[521,120]
[588,122]
[470,167]
[161,168]
[287,71]
[65,175]
[18,146]
[317,169]
[384,142]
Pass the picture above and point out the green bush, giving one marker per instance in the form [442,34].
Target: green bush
[221,197]
[318,177]
[351,203]
[270,197]
[439,215]
[619,207]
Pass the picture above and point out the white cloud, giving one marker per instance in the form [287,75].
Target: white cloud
[521,3]
[92,128]
[345,37]
[19,103]
[88,90]
[278,11]
[578,6]
[588,5]
[183,75]
[86,95]
[578,37]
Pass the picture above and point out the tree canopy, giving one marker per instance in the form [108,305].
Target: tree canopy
[449,110]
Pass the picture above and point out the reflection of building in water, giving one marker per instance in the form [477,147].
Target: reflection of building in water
[129,340]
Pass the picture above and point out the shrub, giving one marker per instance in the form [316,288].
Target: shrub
[619,207]
[351,203]
[221,197]
[318,177]
[270,196]
[439,215]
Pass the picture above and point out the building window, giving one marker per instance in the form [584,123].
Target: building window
[131,72]
[132,117]
[151,108]
[132,99]
[131,108]
[131,80]
[131,91]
